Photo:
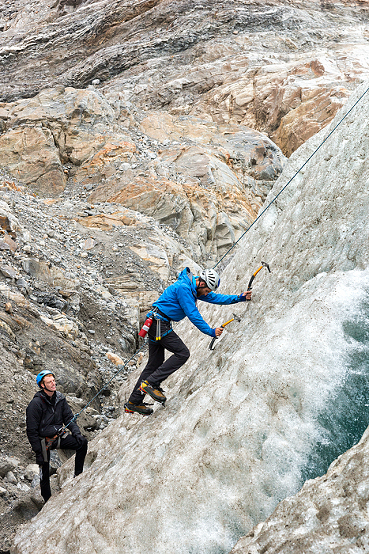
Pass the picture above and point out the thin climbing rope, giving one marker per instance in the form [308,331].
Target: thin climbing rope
[292,178]
[106,384]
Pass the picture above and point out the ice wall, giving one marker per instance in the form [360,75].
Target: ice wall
[242,423]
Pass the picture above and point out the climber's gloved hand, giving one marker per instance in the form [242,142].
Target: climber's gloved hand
[39,458]
[79,438]
[245,296]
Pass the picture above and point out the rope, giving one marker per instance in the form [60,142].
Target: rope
[106,384]
[292,178]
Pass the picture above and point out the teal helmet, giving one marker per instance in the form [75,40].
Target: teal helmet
[43,374]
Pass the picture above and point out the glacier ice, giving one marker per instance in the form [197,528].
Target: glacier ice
[244,422]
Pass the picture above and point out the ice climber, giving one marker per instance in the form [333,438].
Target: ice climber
[46,414]
[176,302]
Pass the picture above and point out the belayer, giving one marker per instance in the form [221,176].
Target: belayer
[177,301]
[46,415]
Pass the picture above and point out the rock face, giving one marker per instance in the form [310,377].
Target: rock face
[206,181]
[82,257]
[242,423]
[279,67]
[75,282]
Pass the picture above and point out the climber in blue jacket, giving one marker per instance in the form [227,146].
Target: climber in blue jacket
[177,302]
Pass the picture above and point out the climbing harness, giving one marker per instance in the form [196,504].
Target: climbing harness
[159,334]
[160,316]
[48,442]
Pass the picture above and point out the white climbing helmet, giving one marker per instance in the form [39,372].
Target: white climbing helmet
[211,278]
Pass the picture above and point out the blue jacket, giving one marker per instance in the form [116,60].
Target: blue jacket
[179,300]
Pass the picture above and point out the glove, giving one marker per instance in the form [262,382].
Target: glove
[79,438]
[40,459]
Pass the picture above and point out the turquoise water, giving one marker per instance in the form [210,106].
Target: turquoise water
[347,415]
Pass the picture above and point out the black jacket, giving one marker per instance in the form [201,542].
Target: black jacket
[45,416]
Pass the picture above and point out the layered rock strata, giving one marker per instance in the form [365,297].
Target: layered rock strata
[280,67]
[206,181]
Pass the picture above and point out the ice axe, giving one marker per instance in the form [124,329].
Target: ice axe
[263,264]
[249,286]
[234,318]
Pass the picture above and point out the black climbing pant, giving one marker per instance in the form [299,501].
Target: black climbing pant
[69,443]
[157,370]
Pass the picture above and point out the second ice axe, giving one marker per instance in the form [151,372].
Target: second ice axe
[234,318]
[249,286]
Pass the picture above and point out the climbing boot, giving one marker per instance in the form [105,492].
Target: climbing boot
[156,393]
[142,408]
